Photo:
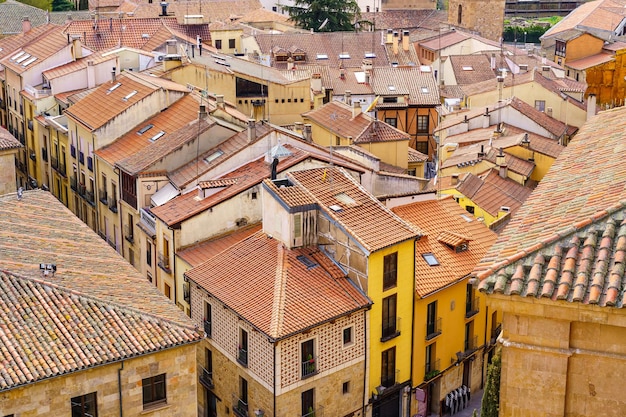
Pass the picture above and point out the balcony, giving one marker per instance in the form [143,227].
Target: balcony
[389,380]
[207,328]
[73,183]
[90,163]
[495,332]
[103,196]
[113,205]
[37,93]
[128,233]
[147,221]
[471,344]
[30,125]
[317,412]
[22,140]
[33,156]
[432,369]
[73,151]
[89,196]
[242,356]
[206,378]
[54,162]
[240,407]
[309,367]
[81,189]
[21,166]
[472,306]
[44,154]
[433,329]
[164,263]
[391,327]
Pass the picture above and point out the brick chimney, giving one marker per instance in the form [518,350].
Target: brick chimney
[356,108]
[307,133]
[405,40]
[501,163]
[348,97]
[26,26]
[395,42]
[220,101]
[316,82]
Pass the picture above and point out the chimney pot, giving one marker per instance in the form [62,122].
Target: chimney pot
[307,132]
[26,25]
[251,130]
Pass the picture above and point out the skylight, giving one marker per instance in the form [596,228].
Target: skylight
[321,56]
[468,68]
[22,58]
[16,56]
[145,129]
[116,86]
[430,259]
[346,199]
[29,61]
[466,218]
[370,55]
[424,68]
[157,136]
[424,90]
[214,156]
[132,93]
[391,87]
[344,55]
[335,207]
[306,261]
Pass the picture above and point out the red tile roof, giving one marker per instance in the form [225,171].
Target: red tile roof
[601,14]
[8,141]
[203,251]
[95,309]
[10,44]
[470,69]
[445,223]
[420,86]
[383,228]
[576,207]
[284,287]
[36,51]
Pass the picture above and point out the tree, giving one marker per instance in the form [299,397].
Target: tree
[62,5]
[324,15]
[490,406]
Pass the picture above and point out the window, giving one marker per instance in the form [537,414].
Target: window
[85,406]
[430,259]
[346,387]
[348,336]
[470,339]
[422,146]
[459,15]
[388,368]
[167,291]
[231,43]
[559,48]
[153,391]
[540,105]
[390,271]
[389,318]
[431,365]
[308,406]
[471,301]
[432,326]
[149,253]
[241,407]
[422,124]
[218,44]
[242,357]
[207,319]
[307,358]
[391,121]
[470,209]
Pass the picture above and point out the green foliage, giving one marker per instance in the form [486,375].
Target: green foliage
[324,15]
[430,375]
[40,4]
[490,405]
[516,33]
[475,413]
[62,5]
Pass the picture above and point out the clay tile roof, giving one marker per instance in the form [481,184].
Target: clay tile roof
[96,296]
[10,44]
[416,156]
[175,117]
[420,86]
[12,13]
[444,40]
[445,224]
[293,197]
[203,251]
[337,117]
[549,123]
[600,14]
[77,65]
[490,192]
[325,185]
[470,69]
[213,10]
[581,195]
[217,183]
[7,140]
[271,269]
[103,104]
[406,19]
[590,61]
[37,51]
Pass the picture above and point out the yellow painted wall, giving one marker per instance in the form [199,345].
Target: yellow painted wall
[404,291]
[542,162]
[607,81]
[582,46]
[394,153]
[225,36]
[464,202]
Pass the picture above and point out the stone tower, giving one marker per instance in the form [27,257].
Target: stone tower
[485,17]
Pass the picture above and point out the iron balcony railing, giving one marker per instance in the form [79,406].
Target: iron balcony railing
[207,328]
[391,326]
[433,329]
[240,407]
[389,379]
[103,196]
[471,344]
[309,367]
[431,369]
[472,306]
[89,196]
[314,412]
[495,332]
[113,204]
[164,262]
[242,356]
[206,378]
[147,220]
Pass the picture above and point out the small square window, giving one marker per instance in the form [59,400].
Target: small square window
[288,100]
[83,406]
[301,100]
[254,195]
[153,391]
[346,387]
[348,335]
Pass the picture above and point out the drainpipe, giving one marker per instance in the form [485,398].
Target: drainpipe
[408,410]
[365,390]
[482,371]
[274,393]
[119,387]
[174,267]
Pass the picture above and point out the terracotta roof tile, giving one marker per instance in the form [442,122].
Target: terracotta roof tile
[36,51]
[8,141]
[10,44]
[444,223]
[325,184]
[470,69]
[406,19]
[416,156]
[420,86]
[590,61]
[585,183]
[272,269]
[213,10]
[600,14]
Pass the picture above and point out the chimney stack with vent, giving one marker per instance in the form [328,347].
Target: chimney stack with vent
[220,101]
[91,74]
[297,126]
[389,37]
[348,97]
[501,163]
[481,154]
[307,133]
[395,42]
[591,106]
[316,82]
[163,8]
[356,108]
[202,113]
[26,26]
[290,63]
[405,40]
[274,168]
[493,61]
[454,179]
[486,119]
[251,130]
[113,72]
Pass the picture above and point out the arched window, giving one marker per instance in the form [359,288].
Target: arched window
[460,17]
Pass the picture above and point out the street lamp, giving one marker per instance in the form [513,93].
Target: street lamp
[524,39]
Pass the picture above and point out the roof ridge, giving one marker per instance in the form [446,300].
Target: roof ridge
[96,300]
[280,283]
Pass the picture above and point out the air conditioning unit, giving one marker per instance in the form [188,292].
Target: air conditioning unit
[160,58]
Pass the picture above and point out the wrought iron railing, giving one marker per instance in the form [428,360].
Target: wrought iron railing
[433,329]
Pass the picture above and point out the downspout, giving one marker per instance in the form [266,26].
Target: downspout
[274,393]
[119,387]
[365,390]
[174,268]
[408,410]
[482,371]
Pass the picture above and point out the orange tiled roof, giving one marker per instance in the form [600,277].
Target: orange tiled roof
[470,69]
[10,44]
[600,14]
[8,141]
[203,251]
[77,65]
[420,86]
[175,117]
[103,104]
[36,51]
[444,222]
[95,294]
[384,228]
[416,156]
[578,206]
[272,269]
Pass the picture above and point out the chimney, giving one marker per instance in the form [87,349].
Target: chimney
[220,101]
[481,154]
[454,179]
[251,130]
[307,133]
[290,63]
[342,73]
[389,37]
[591,106]
[200,193]
[493,61]
[77,50]
[26,26]
[405,40]
[348,97]
[91,75]
[366,65]
[356,108]
[68,19]
[163,8]
[395,43]
[170,47]
[316,82]
[501,163]
[113,75]
[486,118]
[297,126]
[202,113]
[367,78]
[274,166]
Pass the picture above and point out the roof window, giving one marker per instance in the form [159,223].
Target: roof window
[306,261]
[157,136]
[145,129]
[467,68]
[113,88]
[129,95]
[321,56]
[214,156]
[430,259]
